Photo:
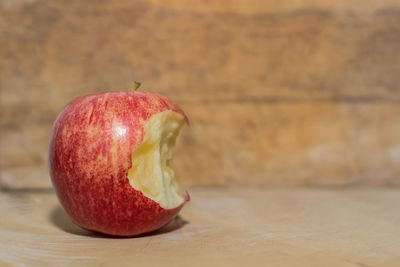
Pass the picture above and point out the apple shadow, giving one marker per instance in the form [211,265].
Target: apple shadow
[59,218]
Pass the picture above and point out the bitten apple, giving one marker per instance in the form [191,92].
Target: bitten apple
[110,157]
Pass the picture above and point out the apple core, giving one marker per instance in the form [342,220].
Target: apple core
[151,172]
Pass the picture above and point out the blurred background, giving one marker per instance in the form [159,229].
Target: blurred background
[279,93]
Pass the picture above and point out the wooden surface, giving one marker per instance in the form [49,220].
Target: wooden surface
[283,92]
[219,227]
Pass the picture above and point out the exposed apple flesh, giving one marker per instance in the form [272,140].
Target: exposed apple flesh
[110,161]
[151,172]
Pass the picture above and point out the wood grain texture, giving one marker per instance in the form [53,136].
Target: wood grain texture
[219,227]
[279,92]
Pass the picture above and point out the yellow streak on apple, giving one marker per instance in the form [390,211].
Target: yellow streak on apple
[151,171]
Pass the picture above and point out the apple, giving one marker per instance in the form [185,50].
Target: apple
[110,161]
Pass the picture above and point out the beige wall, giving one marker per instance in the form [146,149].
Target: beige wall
[278,92]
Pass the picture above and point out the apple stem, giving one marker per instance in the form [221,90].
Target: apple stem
[135,86]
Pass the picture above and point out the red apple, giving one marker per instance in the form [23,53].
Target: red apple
[110,158]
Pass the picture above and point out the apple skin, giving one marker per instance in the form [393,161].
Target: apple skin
[90,151]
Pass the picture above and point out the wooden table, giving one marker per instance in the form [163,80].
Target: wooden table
[219,227]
